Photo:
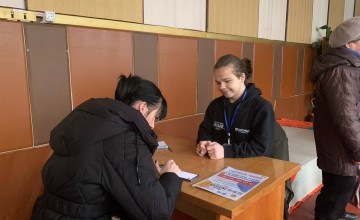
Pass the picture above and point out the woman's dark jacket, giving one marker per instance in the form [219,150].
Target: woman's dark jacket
[252,132]
[336,76]
[102,166]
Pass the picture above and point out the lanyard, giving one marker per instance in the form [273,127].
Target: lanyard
[233,117]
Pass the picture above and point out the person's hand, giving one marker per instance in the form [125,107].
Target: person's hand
[201,148]
[158,167]
[215,150]
[170,166]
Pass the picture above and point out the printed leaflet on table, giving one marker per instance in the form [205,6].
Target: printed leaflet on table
[231,183]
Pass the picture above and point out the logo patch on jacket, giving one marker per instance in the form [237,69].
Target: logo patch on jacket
[242,131]
[218,125]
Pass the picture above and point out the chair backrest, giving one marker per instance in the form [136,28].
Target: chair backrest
[281,146]
[281,152]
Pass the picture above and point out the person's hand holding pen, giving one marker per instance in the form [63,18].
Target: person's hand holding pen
[201,148]
[170,166]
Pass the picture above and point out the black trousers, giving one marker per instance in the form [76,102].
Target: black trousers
[334,196]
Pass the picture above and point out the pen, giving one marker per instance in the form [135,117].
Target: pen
[170,149]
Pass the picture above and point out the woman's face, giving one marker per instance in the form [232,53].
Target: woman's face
[354,45]
[151,117]
[228,84]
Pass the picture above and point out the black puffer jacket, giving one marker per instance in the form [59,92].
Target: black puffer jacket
[252,132]
[102,166]
[336,76]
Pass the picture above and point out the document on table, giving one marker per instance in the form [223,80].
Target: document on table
[163,146]
[188,176]
[231,183]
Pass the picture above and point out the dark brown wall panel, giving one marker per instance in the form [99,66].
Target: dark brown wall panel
[248,52]
[15,129]
[222,48]
[288,75]
[278,59]
[21,184]
[48,77]
[263,68]
[205,76]
[308,86]
[177,74]
[145,56]
[97,58]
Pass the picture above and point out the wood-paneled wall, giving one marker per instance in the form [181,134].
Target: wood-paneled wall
[236,17]
[283,20]
[43,79]
[357,8]
[76,63]
[336,12]
[123,10]
[299,21]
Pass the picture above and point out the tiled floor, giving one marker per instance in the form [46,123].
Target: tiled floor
[306,210]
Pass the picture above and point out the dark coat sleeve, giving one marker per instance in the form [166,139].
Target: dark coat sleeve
[263,136]
[205,128]
[138,194]
[341,91]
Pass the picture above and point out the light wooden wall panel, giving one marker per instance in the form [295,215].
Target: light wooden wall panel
[299,21]
[320,12]
[123,10]
[336,12]
[349,8]
[288,74]
[357,8]
[21,181]
[299,71]
[15,121]
[263,68]
[187,14]
[295,107]
[13,3]
[97,58]
[276,81]
[237,17]
[272,19]
[178,74]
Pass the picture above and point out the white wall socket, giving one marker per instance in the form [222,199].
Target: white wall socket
[49,16]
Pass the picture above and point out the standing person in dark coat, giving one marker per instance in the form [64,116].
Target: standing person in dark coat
[336,76]
[102,163]
[240,123]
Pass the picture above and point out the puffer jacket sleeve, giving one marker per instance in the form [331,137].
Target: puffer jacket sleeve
[342,91]
[137,191]
[205,128]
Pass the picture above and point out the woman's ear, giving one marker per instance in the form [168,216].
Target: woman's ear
[243,77]
[143,108]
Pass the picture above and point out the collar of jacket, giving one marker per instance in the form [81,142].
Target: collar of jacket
[101,119]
